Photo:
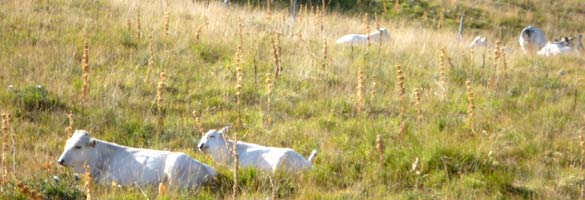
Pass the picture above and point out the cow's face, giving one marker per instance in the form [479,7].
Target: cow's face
[212,140]
[78,150]
[385,34]
[527,33]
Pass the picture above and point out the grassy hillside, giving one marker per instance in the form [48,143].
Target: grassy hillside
[524,141]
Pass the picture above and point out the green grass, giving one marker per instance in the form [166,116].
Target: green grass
[526,144]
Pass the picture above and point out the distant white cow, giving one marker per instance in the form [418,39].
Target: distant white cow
[381,34]
[126,166]
[479,41]
[532,39]
[562,46]
[268,159]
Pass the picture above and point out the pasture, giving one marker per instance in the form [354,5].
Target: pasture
[420,116]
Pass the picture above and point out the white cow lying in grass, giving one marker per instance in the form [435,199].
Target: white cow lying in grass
[381,34]
[269,159]
[126,166]
[479,41]
[558,47]
[532,39]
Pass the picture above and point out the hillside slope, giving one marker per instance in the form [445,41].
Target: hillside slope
[524,140]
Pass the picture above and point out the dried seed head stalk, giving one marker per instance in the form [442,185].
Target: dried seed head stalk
[384,7]
[276,52]
[197,34]
[4,149]
[69,128]
[441,19]
[442,74]
[380,146]
[198,122]
[505,64]
[268,11]
[85,70]
[582,147]
[367,22]
[400,79]
[377,21]
[138,27]
[9,120]
[442,66]
[300,14]
[239,83]
[159,91]
[378,27]
[446,57]
[150,57]
[159,103]
[402,93]
[236,164]
[359,94]
[167,23]
[323,6]
[471,107]
[324,48]
[268,96]
[373,88]
[241,37]
[417,105]
[321,22]
[497,54]
[239,79]
[129,27]
[324,52]
[494,79]
[283,23]
[30,193]
[162,186]
[88,181]
[397,6]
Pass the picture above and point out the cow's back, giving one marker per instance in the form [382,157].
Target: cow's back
[185,172]
[293,162]
[532,38]
[128,166]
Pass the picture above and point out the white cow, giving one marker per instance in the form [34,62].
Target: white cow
[381,34]
[479,41]
[268,159]
[558,47]
[109,162]
[532,39]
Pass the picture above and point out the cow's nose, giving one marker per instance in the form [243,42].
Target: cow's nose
[61,161]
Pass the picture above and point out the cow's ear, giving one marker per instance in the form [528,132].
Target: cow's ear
[225,129]
[92,142]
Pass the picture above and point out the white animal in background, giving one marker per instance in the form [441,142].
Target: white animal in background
[109,162]
[558,47]
[268,159]
[479,41]
[532,39]
[381,34]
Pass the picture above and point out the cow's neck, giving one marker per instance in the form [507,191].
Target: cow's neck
[374,36]
[225,155]
[104,151]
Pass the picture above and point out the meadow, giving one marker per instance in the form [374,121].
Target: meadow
[420,116]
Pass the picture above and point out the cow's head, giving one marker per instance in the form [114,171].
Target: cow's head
[527,33]
[79,149]
[384,33]
[213,140]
